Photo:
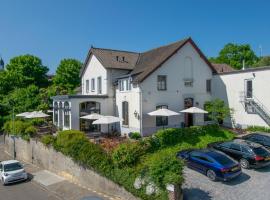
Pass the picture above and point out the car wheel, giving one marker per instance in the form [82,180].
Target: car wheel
[211,175]
[244,163]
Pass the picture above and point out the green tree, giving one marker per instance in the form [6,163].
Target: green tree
[217,110]
[67,74]
[22,99]
[264,61]
[234,54]
[25,70]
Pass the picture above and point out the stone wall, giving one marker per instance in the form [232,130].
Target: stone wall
[46,157]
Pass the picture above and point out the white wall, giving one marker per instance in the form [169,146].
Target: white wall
[229,86]
[133,99]
[176,90]
[94,69]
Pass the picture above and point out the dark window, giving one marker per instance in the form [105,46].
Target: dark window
[93,84]
[162,82]
[12,167]
[246,150]
[226,144]
[235,147]
[125,113]
[161,121]
[249,88]
[87,86]
[208,85]
[66,115]
[222,159]
[55,110]
[99,85]
[127,87]
[202,158]
[261,151]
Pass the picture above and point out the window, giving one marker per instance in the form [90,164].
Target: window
[127,84]
[235,147]
[55,110]
[92,84]
[246,150]
[188,83]
[121,85]
[226,145]
[87,86]
[99,86]
[161,121]
[66,115]
[162,82]
[125,113]
[208,85]
[249,89]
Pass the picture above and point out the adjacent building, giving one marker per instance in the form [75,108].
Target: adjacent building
[175,76]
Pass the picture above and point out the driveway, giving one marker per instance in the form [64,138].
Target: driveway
[252,184]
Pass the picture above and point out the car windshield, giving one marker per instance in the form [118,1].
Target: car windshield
[12,167]
[260,151]
[222,159]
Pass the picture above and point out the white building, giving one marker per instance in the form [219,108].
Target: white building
[130,85]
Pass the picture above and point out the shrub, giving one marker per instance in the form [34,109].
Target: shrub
[127,154]
[26,137]
[135,135]
[65,139]
[163,168]
[17,127]
[37,122]
[258,129]
[47,140]
[31,131]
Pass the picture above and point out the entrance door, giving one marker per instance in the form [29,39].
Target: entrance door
[188,116]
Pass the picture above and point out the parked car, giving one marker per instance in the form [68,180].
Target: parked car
[12,171]
[260,138]
[249,154]
[214,164]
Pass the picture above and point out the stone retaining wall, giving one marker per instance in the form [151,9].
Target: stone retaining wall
[46,157]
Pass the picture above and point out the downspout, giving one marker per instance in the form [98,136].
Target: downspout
[140,96]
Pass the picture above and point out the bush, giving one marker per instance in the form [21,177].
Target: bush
[17,127]
[37,122]
[30,131]
[164,168]
[47,140]
[127,154]
[258,129]
[135,135]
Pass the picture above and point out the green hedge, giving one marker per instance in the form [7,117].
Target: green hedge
[258,129]
[47,140]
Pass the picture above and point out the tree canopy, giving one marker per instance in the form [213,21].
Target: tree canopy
[25,70]
[264,61]
[67,74]
[234,54]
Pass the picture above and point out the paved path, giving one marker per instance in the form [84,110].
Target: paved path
[252,184]
[43,185]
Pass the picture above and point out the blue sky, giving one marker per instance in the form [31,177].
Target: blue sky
[56,29]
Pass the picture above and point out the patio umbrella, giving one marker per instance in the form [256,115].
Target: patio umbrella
[24,114]
[92,116]
[163,112]
[194,110]
[37,114]
[107,120]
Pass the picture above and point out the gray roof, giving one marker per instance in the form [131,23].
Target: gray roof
[222,68]
[140,65]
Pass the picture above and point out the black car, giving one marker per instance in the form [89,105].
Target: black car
[260,138]
[249,154]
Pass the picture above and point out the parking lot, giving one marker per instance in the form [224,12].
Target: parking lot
[252,184]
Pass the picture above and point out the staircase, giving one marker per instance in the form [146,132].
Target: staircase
[256,105]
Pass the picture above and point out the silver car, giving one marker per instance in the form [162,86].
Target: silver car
[12,171]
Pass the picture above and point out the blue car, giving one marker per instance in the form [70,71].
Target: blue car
[214,164]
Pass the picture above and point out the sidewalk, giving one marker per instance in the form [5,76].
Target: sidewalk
[52,183]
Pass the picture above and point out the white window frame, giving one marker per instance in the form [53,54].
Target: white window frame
[99,85]
[87,86]
[93,87]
